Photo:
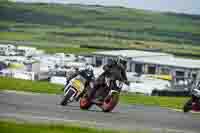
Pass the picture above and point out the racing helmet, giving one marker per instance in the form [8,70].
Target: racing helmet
[122,61]
[89,71]
[89,68]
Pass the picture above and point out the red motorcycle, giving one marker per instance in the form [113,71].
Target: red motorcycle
[193,103]
[108,93]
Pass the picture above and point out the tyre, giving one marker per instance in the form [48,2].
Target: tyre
[85,104]
[110,102]
[66,98]
[188,106]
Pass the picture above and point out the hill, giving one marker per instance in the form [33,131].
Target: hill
[47,25]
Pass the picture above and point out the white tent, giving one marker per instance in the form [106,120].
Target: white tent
[147,85]
[58,80]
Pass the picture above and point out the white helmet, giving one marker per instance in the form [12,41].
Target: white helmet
[89,67]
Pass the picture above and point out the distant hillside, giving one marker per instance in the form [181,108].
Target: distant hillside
[97,25]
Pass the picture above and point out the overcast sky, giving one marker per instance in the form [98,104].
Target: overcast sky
[180,6]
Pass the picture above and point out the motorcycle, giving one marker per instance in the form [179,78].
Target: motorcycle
[108,93]
[73,90]
[194,102]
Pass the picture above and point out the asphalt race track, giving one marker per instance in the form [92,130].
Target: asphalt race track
[46,108]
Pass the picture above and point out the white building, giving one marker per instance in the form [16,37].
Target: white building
[23,75]
[11,59]
[143,62]
[7,49]
[28,51]
[100,58]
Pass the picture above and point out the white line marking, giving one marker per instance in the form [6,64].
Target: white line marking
[179,110]
[25,93]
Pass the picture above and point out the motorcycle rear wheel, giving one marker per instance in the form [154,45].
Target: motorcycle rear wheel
[85,104]
[110,102]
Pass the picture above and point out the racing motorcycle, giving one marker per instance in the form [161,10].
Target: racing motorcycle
[109,92]
[74,90]
[194,102]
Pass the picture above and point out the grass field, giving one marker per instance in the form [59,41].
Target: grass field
[45,87]
[24,127]
[73,50]
[74,25]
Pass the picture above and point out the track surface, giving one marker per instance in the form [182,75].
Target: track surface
[43,107]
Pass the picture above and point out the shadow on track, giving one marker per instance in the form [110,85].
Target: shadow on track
[94,108]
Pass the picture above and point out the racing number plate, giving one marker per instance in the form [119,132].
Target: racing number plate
[78,85]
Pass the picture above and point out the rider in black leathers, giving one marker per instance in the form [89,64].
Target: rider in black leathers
[116,70]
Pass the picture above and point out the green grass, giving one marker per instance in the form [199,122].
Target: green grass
[67,50]
[54,25]
[29,86]
[14,127]
[168,102]
[45,87]
[15,36]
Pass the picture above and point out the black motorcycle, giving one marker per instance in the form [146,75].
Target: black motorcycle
[110,96]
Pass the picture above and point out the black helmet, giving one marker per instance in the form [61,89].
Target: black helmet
[122,61]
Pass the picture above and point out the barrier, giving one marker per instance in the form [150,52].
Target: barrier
[170,93]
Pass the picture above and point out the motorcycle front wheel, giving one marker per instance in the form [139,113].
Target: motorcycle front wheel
[188,106]
[66,98]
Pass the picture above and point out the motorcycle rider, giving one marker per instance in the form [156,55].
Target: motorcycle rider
[115,70]
[87,73]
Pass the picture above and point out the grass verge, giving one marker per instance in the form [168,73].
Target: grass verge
[161,101]
[46,87]
[13,127]
[29,86]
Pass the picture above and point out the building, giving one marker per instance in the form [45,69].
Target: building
[176,66]
[12,59]
[100,58]
[144,62]
[7,50]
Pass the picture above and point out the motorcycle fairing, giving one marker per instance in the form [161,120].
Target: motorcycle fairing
[77,84]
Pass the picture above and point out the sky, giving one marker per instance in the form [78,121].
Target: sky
[179,6]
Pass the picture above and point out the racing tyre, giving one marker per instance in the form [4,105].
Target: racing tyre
[66,98]
[85,103]
[188,106]
[110,102]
